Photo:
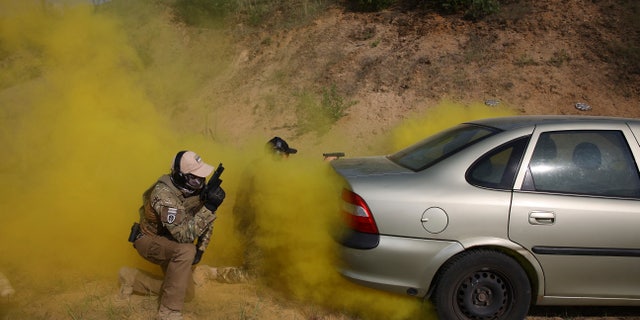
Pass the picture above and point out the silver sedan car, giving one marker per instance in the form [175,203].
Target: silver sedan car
[492,216]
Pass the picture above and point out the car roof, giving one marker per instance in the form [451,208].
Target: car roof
[514,122]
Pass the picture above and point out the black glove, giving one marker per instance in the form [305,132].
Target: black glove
[213,198]
[198,256]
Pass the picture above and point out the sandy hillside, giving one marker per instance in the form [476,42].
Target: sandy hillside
[538,57]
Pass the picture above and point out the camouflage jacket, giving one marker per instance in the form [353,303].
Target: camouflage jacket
[166,212]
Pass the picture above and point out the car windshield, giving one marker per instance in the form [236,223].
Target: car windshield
[441,145]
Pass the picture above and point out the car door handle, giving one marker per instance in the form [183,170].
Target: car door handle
[542,217]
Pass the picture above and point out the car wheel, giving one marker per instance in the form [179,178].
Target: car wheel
[483,284]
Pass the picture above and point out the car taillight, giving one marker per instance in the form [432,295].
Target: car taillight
[357,213]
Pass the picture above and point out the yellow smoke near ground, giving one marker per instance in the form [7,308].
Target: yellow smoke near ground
[295,203]
[82,139]
[296,206]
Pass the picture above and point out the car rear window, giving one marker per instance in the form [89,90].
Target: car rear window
[441,145]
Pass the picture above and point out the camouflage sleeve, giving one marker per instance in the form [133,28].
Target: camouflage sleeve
[204,227]
[173,214]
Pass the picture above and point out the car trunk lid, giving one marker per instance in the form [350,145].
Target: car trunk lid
[367,166]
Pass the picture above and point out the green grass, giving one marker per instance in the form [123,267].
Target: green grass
[559,58]
[318,113]
[525,60]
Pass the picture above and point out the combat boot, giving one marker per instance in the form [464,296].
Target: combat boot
[127,277]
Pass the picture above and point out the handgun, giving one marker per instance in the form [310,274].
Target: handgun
[215,181]
[337,155]
[209,196]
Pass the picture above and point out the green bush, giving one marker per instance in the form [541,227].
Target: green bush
[370,5]
[472,9]
[208,13]
[202,13]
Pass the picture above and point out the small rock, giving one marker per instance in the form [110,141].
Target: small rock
[583,106]
[492,102]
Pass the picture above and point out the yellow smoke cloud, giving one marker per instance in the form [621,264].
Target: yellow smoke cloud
[81,137]
[86,129]
[441,117]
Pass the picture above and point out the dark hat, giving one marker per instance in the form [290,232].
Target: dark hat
[279,145]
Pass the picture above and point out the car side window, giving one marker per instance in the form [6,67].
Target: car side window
[594,162]
[497,169]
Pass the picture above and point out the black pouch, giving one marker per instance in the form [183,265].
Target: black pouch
[135,230]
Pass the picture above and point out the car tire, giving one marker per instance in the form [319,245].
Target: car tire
[482,284]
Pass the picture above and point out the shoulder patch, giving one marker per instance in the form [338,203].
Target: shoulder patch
[171,215]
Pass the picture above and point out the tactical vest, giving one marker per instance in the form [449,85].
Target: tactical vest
[149,219]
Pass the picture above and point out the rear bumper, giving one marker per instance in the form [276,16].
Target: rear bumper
[400,265]
[359,240]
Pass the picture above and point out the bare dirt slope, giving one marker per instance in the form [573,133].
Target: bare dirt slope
[537,57]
